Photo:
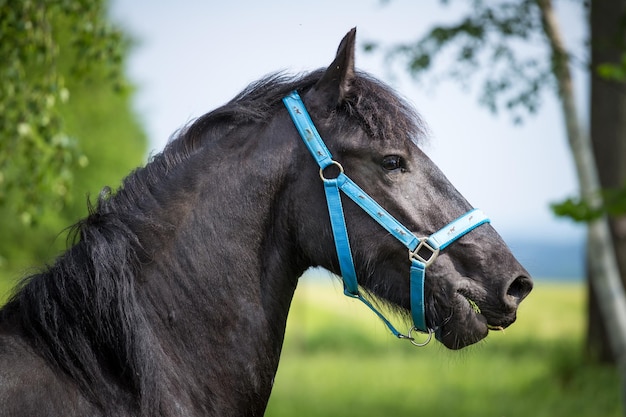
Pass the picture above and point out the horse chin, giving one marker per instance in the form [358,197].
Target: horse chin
[465,326]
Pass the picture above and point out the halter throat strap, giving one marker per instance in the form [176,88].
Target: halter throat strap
[422,251]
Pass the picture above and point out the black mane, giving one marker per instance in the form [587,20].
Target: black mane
[382,113]
[81,313]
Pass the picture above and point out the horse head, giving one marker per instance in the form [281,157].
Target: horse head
[474,285]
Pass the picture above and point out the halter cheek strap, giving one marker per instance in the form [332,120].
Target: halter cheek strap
[422,251]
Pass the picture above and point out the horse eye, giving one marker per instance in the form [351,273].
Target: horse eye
[391,162]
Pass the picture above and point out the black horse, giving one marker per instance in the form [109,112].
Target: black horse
[174,297]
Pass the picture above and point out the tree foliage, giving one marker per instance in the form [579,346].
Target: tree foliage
[505,37]
[66,124]
[43,43]
[613,71]
[581,210]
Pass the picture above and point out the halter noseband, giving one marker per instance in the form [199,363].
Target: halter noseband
[422,251]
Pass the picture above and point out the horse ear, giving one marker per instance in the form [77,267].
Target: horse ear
[336,83]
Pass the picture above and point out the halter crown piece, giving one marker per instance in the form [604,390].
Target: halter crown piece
[422,251]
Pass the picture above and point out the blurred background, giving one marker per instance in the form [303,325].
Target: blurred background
[108,83]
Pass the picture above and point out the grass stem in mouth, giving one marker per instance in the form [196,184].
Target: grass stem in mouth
[477,311]
[496,328]
[473,305]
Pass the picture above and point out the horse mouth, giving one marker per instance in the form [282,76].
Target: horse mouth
[468,324]
[477,310]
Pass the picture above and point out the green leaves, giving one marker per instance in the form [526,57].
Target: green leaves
[613,71]
[42,44]
[576,209]
[580,210]
[503,36]
[66,123]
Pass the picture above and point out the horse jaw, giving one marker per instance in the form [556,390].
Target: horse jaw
[466,327]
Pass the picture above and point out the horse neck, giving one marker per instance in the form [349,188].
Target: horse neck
[218,289]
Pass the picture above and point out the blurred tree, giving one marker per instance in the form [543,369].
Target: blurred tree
[608,133]
[521,44]
[66,124]
[43,43]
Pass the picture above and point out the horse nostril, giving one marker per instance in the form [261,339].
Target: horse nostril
[519,289]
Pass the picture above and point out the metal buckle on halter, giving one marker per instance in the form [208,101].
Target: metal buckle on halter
[425,258]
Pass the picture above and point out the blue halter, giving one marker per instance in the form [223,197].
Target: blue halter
[422,251]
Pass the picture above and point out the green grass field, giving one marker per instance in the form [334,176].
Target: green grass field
[339,360]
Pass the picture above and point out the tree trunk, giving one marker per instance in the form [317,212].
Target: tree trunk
[608,134]
[602,262]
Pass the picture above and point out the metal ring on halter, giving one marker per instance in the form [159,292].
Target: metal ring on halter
[412,339]
[337,164]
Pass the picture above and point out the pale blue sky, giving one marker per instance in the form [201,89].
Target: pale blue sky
[195,55]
